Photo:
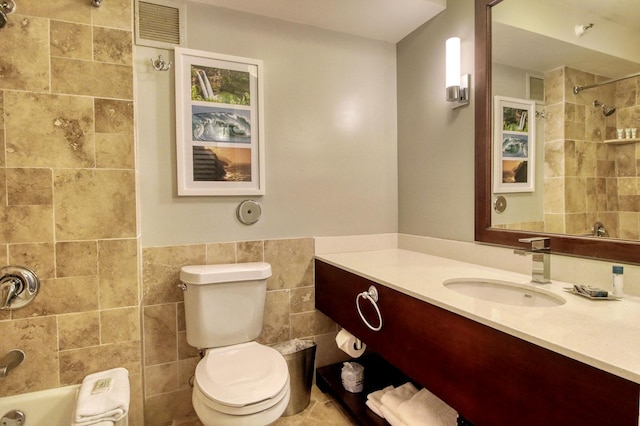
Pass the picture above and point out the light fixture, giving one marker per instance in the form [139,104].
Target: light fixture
[457,85]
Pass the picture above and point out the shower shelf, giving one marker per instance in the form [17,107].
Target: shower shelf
[621,141]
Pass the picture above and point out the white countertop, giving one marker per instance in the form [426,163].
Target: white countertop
[603,334]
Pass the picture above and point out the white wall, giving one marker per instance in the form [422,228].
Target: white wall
[331,140]
[435,143]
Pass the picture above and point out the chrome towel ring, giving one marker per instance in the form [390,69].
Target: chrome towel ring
[371,296]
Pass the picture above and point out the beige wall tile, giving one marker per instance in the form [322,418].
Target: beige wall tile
[88,78]
[113,46]
[70,40]
[25,54]
[64,10]
[75,364]
[115,151]
[186,370]
[1,111]
[37,338]
[185,351]
[39,257]
[310,324]
[182,325]
[118,273]
[136,409]
[95,204]
[120,325]
[250,251]
[161,271]
[276,323]
[63,138]
[63,296]
[76,258]
[161,378]
[2,154]
[221,253]
[26,224]
[29,186]
[291,262]
[114,116]
[302,299]
[163,409]
[160,337]
[78,330]
[114,14]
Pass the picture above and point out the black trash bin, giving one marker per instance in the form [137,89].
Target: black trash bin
[300,356]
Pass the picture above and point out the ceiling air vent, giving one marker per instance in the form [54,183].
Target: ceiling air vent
[159,23]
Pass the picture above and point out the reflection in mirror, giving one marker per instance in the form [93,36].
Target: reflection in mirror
[586,175]
[577,61]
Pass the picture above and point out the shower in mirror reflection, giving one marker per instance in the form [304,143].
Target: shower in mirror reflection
[606,110]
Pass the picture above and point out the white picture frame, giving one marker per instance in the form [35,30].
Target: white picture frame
[220,146]
[514,145]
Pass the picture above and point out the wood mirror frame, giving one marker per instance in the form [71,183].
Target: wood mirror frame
[590,247]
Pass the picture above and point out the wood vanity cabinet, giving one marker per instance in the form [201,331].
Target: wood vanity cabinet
[488,376]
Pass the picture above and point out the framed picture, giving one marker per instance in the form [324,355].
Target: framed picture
[514,145]
[219,124]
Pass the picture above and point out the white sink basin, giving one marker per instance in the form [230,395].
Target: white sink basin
[506,292]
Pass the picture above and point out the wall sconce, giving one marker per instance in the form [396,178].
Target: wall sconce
[457,85]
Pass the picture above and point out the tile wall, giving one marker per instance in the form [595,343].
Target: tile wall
[587,180]
[169,362]
[67,192]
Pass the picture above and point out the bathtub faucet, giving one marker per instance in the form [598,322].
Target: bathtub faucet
[10,361]
[540,252]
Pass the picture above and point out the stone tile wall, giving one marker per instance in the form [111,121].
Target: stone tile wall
[586,180]
[169,362]
[67,192]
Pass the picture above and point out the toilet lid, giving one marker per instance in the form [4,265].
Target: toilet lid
[242,374]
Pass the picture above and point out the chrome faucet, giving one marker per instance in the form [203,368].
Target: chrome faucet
[540,252]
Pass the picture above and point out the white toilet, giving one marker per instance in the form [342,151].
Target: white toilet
[238,382]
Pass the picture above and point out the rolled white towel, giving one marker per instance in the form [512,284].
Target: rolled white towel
[103,396]
[397,396]
[424,408]
[391,417]
[374,400]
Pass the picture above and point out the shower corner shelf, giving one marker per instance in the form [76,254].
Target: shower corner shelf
[621,141]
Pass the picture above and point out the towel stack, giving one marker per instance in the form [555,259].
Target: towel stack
[408,406]
[103,397]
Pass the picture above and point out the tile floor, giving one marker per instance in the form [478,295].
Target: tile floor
[322,411]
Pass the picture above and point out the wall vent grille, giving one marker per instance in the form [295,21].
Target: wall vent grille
[159,24]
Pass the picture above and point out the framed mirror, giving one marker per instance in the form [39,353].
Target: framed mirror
[590,243]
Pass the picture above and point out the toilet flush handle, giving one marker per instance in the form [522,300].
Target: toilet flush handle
[182,286]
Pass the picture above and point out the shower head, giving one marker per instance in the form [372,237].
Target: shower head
[607,111]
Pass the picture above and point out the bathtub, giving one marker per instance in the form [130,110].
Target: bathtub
[51,407]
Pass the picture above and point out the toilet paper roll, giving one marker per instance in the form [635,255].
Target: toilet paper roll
[347,342]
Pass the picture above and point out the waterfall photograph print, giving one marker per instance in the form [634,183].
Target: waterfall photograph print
[219,127]
[514,145]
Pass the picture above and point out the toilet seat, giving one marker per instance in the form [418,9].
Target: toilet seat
[242,379]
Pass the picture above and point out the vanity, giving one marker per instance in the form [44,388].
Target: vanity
[495,363]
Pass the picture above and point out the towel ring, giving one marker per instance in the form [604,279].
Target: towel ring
[371,296]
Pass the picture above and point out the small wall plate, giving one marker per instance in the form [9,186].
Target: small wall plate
[500,204]
[249,212]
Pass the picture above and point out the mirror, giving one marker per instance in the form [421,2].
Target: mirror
[561,240]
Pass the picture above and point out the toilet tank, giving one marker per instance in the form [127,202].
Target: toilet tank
[224,304]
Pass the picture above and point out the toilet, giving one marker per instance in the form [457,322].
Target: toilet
[238,381]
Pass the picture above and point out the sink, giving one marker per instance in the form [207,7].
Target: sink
[509,293]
